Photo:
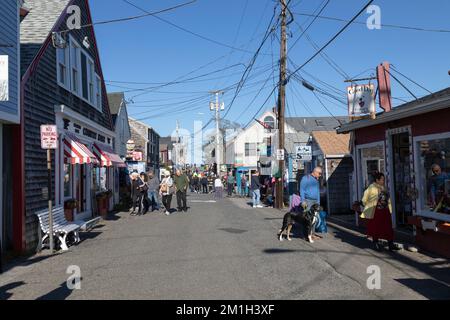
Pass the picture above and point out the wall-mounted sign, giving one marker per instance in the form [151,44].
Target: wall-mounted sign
[361,99]
[4,71]
[49,137]
[280,154]
[303,153]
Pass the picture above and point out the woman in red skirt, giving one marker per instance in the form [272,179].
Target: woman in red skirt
[377,209]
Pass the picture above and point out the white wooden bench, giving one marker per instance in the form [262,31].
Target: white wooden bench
[61,227]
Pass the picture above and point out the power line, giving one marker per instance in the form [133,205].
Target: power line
[133,17]
[395,70]
[186,30]
[382,25]
[332,39]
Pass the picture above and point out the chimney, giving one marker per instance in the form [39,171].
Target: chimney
[384,86]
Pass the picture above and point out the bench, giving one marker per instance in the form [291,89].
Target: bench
[61,227]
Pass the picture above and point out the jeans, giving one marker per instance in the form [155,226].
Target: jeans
[181,200]
[166,200]
[205,188]
[218,193]
[256,197]
[230,187]
[153,198]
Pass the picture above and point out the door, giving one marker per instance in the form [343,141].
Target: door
[401,177]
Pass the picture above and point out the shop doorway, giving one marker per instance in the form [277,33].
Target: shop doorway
[401,175]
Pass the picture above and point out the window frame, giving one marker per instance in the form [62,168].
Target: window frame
[418,173]
[74,44]
[66,65]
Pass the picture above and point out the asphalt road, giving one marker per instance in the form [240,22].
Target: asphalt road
[222,250]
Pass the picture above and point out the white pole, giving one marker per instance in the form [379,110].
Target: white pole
[217,133]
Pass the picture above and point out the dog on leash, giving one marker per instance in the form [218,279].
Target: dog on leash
[306,218]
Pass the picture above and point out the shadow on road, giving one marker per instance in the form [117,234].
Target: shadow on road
[4,294]
[60,293]
[429,288]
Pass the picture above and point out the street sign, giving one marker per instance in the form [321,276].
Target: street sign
[303,153]
[280,154]
[49,137]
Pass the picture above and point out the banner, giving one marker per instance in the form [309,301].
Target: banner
[361,99]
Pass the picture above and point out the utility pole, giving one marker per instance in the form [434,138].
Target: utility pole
[279,198]
[217,107]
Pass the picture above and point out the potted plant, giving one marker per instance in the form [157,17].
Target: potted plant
[69,206]
[102,203]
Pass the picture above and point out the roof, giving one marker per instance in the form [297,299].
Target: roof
[115,100]
[332,143]
[433,102]
[37,25]
[309,124]
[166,141]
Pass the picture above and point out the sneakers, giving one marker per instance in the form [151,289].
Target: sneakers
[259,206]
[167,213]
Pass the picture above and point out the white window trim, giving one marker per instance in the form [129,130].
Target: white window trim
[359,167]
[98,93]
[88,60]
[67,66]
[74,43]
[419,211]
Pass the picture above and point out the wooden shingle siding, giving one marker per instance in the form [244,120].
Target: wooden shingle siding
[8,36]
[41,94]
[338,186]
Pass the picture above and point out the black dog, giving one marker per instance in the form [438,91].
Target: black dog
[306,218]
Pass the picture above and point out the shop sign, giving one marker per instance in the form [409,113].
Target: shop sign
[361,99]
[4,86]
[280,154]
[303,153]
[137,156]
[49,137]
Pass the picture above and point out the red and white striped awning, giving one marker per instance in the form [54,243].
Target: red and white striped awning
[107,156]
[75,152]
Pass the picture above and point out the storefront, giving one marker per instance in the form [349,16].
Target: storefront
[411,146]
[86,165]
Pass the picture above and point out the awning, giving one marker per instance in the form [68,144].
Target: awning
[75,152]
[107,156]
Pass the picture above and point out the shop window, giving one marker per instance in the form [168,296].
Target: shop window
[372,160]
[100,179]
[67,181]
[434,175]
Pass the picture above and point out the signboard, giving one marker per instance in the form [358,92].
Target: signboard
[361,99]
[137,156]
[49,137]
[280,154]
[4,86]
[303,153]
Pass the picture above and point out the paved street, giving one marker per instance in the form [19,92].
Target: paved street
[223,250]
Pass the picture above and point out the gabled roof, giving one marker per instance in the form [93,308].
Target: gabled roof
[332,143]
[115,100]
[36,26]
[310,124]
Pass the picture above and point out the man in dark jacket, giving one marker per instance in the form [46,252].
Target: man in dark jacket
[255,187]
[136,193]
[153,190]
[181,182]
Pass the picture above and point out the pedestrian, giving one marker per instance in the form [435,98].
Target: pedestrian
[181,182]
[377,209]
[218,186]
[153,190]
[144,189]
[296,202]
[243,185]
[310,193]
[255,188]
[196,182]
[136,193]
[210,183]
[230,184]
[165,191]
[204,182]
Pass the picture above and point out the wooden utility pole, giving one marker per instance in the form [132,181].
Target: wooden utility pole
[279,198]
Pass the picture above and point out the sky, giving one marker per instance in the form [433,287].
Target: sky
[168,74]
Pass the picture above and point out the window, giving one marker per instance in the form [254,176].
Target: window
[62,57]
[250,149]
[434,175]
[91,79]
[67,180]
[84,76]
[100,178]
[98,92]
[75,66]
[372,159]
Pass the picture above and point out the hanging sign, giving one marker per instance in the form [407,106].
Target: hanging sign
[361,99]
[280,154]
[303,153]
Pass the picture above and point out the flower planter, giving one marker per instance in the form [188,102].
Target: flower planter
[68,213]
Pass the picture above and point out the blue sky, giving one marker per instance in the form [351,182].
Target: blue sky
[148,52]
